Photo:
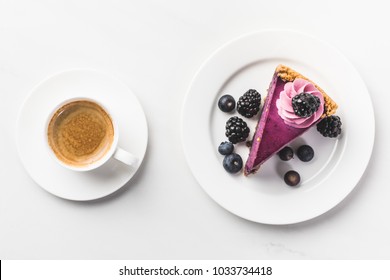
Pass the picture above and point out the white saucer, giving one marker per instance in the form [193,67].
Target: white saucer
[119,100]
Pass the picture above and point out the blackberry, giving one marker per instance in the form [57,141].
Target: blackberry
[330,126]
[236,130]
[248,105]
[305,104]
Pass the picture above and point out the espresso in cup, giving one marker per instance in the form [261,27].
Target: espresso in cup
[80,133]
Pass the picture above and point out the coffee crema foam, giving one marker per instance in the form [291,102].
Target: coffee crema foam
[80,133]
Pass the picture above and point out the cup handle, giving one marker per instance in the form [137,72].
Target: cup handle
[125,157]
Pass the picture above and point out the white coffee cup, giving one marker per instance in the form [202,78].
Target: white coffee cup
[112,152]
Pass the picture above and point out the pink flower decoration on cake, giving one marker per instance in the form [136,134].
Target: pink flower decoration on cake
[284,103]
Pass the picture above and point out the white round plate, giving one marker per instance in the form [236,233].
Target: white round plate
[249,62]
[119,100]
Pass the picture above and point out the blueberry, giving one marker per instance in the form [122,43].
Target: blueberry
[292,178]
[232,163]
[226,148]
[305,153]
[226,103]
[286,153]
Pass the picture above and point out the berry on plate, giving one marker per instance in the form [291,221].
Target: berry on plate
[232,163]
[292,178]
[330,126]
[248,105]
[286,153]
[305,153]
[236,130]
[226,148]
[226,103]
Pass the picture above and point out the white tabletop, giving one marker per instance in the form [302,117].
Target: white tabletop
[156,47]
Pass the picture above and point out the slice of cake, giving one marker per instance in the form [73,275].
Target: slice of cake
[292,106]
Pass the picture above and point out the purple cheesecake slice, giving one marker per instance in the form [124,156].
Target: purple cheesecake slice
[272,131]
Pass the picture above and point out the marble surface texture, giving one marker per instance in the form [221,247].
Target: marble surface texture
[156,48]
